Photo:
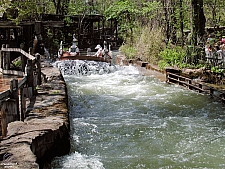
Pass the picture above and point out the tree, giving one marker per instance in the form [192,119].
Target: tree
[214,12]
[181,23]
[31,9]
[199,21]
[126,13]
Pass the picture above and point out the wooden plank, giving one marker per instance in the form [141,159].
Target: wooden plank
[188,84]
[8,114]
[22,104]
[19,50]
[22,82]
[12,72]
[5,94]
[58,24]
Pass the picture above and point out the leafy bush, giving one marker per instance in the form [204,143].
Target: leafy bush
[128,51]
[217,70]
[146,46]
[172,56]
[149,44]
[162,64]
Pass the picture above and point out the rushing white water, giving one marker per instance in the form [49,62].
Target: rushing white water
[124,120]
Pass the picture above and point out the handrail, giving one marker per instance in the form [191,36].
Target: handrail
[5,94]
[18,50]
[13,101]
[187,83]
[22,82]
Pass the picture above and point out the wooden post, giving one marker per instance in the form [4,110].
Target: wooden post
[6,59]
[38,58]
[1,65]
[8,114]
[22,104]
[10,108]
[15,95]
[200,86]
[30,78]
[35,81]
[24,62]
[3,61]
[189,84]
[211,90]
[167,77]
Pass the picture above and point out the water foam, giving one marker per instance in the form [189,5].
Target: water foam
[77,160]
[84,67]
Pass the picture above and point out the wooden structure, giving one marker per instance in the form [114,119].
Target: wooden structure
[32,35]
[89,29]
[173,77]
[7,55]
[13,101]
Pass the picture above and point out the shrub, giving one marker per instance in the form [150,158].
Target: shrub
[172,56]
[128,51]
[146,45]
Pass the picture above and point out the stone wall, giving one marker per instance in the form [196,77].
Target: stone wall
[44,133]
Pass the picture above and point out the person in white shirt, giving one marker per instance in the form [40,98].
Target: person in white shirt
[99,52]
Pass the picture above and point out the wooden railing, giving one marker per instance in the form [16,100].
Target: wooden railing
[190,84]
[6,49]
[13,101]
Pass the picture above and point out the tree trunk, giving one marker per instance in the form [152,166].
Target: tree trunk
[199,20]
[181,23]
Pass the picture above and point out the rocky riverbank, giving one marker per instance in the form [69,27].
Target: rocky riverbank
[44,133]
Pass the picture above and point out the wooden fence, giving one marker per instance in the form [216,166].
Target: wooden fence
[175,78]
[13,101]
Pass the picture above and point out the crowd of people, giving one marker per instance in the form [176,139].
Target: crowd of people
[215,51]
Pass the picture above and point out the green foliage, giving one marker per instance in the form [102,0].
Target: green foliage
[125,12]
[162,64]
[79,7]
[17,63]
[217,70]
[149,43]
[172,56]
[67,21]
[128,51]
[149,8]
[214,12]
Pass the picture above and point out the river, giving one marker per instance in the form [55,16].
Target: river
[126,120]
